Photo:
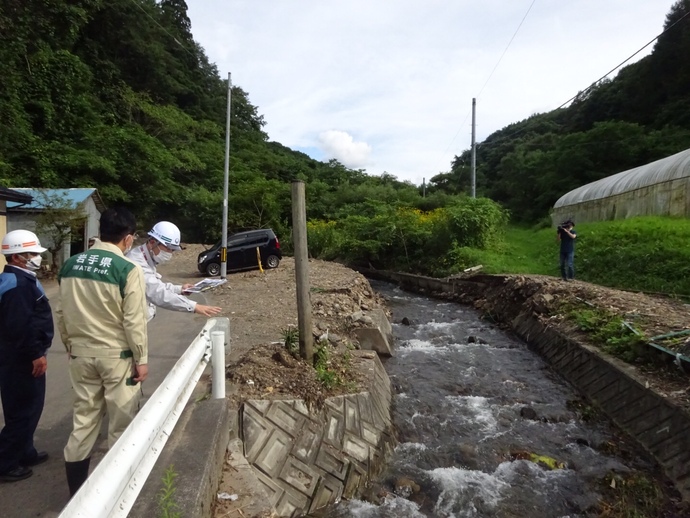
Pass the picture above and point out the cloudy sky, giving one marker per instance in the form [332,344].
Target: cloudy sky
[387,85]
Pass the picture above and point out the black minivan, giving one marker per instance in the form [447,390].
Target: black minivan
[242,254]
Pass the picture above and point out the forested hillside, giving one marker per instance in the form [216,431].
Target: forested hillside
[116,94]
[641,115]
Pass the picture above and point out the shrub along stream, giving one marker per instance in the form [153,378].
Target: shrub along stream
[649,254]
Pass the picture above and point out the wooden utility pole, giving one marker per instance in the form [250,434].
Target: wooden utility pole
[299,239]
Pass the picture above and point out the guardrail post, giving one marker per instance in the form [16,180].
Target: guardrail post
[218,364]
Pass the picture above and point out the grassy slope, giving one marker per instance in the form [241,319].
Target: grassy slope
[647,254]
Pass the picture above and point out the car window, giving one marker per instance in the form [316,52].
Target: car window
[237,240]
[257,239]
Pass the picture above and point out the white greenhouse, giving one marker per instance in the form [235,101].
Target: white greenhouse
[661,188]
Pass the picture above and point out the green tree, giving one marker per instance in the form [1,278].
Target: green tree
[58,219]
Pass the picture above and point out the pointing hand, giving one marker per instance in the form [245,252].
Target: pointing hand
[207,311]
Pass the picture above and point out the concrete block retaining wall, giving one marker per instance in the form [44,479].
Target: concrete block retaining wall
[307,460]
[658,426]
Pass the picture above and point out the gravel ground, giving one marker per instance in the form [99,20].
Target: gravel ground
[262,306]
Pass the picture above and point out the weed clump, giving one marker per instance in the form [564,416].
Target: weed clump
[167,506]
[291,340]
[610,332]
[633,495]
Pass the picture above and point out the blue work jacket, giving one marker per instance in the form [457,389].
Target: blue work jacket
[26,321]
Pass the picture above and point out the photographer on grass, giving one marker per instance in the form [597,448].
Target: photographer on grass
[566,235]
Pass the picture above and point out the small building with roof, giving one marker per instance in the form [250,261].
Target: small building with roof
[85,203]
[9,196]
[660,188]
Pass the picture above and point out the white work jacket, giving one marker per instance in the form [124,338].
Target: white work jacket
[158,293]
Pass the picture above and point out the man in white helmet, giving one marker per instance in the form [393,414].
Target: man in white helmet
[26,333]
[164,239]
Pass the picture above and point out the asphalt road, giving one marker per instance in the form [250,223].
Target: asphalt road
[45,493]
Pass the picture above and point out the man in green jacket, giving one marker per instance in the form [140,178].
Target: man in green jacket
[102,320]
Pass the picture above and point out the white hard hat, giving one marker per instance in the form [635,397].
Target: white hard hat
[167,233]
[21,241]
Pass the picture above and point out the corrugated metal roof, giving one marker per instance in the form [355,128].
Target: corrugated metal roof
[14,196]
[73,196]
[664,170]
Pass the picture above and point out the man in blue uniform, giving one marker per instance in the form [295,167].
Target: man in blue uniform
[26,332]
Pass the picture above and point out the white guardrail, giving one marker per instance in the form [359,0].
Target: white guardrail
[113,487]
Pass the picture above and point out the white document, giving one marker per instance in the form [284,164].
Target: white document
[206,284]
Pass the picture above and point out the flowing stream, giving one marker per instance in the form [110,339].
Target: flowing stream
[470,405]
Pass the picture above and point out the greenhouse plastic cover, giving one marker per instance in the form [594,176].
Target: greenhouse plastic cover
[664,170]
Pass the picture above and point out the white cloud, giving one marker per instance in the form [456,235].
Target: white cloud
[341,146]
[400,75]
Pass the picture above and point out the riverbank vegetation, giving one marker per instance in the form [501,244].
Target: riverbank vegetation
[647,254]
[406,238]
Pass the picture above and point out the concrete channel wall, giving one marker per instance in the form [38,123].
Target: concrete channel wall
[656,424]
[306,460]
[279,457]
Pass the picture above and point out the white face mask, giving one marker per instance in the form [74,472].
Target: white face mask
[163,257]
[128,249]
[34,263]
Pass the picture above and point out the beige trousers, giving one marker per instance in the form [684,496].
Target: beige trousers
[99,386]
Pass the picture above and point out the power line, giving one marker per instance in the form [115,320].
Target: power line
[521,130]
[462,125]
[506,49]
[628,59]
[456,135]
[138,4]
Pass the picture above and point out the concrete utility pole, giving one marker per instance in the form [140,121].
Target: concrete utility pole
[299,238]
[423,187]
[226,175]
[474,150]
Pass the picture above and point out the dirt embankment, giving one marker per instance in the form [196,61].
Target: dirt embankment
[580,310]
[262,308]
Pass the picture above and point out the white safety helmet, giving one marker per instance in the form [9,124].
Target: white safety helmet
[166,233]
[21,241]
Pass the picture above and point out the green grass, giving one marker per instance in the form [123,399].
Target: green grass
[325,372]
[647,254]
[609,332]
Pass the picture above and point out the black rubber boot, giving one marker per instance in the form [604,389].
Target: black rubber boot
[77,473]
